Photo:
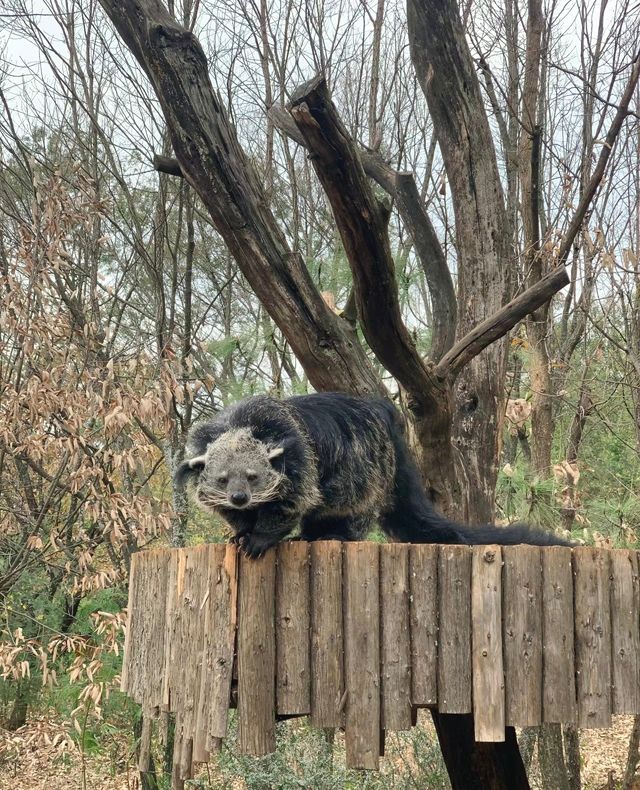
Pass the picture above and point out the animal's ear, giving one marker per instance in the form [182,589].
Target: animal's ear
[189,468]
[276,452]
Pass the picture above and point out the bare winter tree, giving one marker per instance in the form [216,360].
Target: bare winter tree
[455,400]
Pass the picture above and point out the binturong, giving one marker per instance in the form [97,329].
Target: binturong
[325,466]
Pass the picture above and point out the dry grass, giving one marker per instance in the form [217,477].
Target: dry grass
[40,756]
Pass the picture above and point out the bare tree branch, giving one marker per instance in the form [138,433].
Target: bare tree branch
[605,153]
[403,188]
[362,224]
[500,323]
[213,162]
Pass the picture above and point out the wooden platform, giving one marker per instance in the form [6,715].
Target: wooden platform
[359,635]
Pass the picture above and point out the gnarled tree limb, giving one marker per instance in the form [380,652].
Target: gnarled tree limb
[403,188]
[500,323]
[363,230]
[213,162]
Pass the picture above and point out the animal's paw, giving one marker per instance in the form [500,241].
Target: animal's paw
[254,545]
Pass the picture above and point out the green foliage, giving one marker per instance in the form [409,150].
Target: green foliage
[310,758]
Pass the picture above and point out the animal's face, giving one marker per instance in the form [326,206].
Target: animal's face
[236,471]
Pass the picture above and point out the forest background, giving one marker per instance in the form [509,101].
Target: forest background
[124,317]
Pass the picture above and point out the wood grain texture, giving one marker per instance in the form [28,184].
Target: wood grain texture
[423,583]
[293,685]
[486,619]
[454,656]
[362,654]
[193,597]
[591,569]
[145,632]
[395,636]
[522,634]
[327,643]
[558,653]
[256,655]
[218,610]
[624,632]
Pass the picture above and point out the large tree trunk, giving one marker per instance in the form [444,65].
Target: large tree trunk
[448,79]
[447,76]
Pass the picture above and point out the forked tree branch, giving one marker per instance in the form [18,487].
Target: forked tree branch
[213,162]
[363,229]
[402,187]
[503,320]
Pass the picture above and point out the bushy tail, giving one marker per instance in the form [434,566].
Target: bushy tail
[413,518]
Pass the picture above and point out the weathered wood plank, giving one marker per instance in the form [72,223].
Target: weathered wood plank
[133,618]
[559,703]
[218,611]
[362,654]
[200,750]
[327,643]
[293,682]
[423,582]
[486,618]
[395,636]
[625,631]
[522,634]
[454,654]
[144,747]
[157,591]
[593,636]
[224,608]
[172,637]
[256,655]
[145,629]
[193,599]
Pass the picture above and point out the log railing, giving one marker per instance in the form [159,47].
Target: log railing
[360,635]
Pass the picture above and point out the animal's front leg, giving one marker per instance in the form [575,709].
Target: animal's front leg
[269,530]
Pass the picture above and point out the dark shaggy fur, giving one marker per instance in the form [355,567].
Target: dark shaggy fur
[328,464]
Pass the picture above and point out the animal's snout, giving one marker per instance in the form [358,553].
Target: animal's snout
[239,498]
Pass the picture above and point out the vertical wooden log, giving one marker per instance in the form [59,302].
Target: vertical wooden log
[193,600]
[327,645]
[225,618]
[218,649]
[293,682]
[362,654]
[158,570]
[624,631]
[558,655]
[423,565]
[177,780]
[146,628]
[454,654]
[131,646]
[144,748]
[257,655]
[486,618]
[218,617]
[173,637]
[522,585]
[593,636]
[200,751]
[395,638]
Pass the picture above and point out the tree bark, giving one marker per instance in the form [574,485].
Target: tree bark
[212,161]
[447,75]
[403,189]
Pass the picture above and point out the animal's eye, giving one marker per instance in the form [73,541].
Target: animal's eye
[252,476]
[222,480]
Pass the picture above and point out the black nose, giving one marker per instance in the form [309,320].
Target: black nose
[239,498]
